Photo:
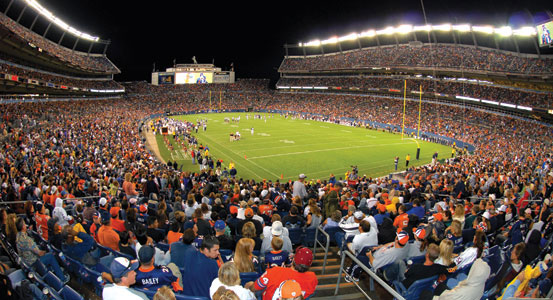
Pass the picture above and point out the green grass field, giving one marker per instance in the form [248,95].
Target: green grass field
[286,147]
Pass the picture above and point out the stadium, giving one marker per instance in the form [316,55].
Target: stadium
[410,161]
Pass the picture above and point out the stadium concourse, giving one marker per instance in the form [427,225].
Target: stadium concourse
[83,197]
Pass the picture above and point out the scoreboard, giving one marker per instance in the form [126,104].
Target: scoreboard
[192,74]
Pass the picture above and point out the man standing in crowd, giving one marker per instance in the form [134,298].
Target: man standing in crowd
[298,189]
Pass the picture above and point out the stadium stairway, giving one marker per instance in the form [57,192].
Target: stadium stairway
[327,282]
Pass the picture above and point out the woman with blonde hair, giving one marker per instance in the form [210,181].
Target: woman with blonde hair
[455,233]
[243,257]
[248,231]
[459,214]
[446,253]
[129,187]
[229,278]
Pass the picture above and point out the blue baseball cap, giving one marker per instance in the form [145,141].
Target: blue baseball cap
[120,266]
[146,253]
[220,225]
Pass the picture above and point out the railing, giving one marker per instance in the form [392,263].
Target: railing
[373,276]
[325,247]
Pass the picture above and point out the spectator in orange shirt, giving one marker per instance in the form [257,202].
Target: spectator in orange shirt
[106,235]
[175,233]
[402,220]
[116,223]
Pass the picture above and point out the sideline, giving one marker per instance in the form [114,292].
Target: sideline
[151,143]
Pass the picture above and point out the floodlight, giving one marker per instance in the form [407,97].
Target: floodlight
[48,15]
[403,29]
[525,31]
[443,27]
[369,33]
[490,102]
[387,30]
[349,37]
[483,29]
[504,31]
[462,27]
[422,28]
[315,43]
[332,40]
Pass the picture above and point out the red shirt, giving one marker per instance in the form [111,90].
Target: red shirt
[273,277]
[42,224]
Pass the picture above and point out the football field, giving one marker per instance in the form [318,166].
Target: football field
[283,148]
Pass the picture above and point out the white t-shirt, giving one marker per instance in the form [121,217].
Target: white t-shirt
[241,292]
[117,292]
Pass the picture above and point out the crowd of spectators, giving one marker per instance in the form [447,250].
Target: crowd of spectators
[441,56]
[45,78]
[502,94]
[84,61]
[131,203]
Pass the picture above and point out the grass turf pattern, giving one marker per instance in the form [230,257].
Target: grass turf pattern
[284,147]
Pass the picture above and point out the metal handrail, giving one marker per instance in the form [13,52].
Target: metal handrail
[320,229]
[373,276]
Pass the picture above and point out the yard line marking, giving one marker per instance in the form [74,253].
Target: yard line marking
[241,165]
[325,150]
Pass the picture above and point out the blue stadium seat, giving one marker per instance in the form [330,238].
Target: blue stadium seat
[295,235]
[414,291]
[40,268]
[53,281]
[468,235]
[248,276]
[225,254]
[309,237]
[163,247]
[70,294]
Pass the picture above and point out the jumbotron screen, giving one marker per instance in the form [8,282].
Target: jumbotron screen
[188,78]
[544,34]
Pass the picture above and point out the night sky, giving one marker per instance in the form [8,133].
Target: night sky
[252,34]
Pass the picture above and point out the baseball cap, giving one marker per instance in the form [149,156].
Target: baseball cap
[546,202]
[188,225]
[302,176]
[381,207]
[96,214]
[120,266]
[143,208]
[420,232]
[304,256]
[248,212]
[233,209]
[290,289]
[103,201]
[276,228]
[146,253]
[219,225]
[38,205]
[402,237]
[114,211]
[264,193]
[105,216]
[358,215]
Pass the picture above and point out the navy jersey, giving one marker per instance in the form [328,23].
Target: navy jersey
[155,277]
[277,258]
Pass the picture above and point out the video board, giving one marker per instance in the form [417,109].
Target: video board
[190,77]
[544,34]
